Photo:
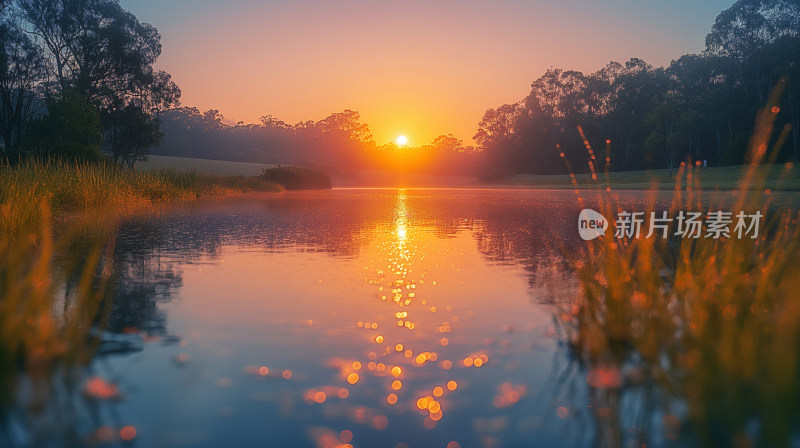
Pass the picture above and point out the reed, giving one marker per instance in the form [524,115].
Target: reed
[700,335]
[86,186]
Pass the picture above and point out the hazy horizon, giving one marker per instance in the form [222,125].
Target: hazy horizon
[413,69]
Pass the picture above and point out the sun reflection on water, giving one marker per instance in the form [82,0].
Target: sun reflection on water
[403,357]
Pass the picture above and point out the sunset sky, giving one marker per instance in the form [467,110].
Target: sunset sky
[414,68]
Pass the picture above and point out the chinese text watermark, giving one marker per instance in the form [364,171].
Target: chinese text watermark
[633,225]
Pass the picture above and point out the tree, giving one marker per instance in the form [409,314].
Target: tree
[748,25]
[344,137]
[344,126]
[22,73]
[496,135]
[103,53]
[447,143]
[129,132]
[71,129]
[669,120]
[742,33]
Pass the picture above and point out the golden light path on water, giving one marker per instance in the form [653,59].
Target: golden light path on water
[412,342]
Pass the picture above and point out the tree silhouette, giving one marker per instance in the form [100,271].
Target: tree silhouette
[22,72]
[100,51]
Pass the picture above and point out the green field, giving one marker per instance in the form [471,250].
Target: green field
[218,167]
[777,177]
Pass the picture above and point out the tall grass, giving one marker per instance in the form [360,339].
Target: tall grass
[694,340]
[87,186]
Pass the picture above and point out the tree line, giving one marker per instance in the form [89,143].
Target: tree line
[338,141]
[624,116]
[631,115]
[77,78]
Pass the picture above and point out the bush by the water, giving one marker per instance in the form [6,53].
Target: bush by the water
[298,178]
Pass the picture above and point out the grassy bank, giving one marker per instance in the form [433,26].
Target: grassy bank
[69,186]
[220,167]
[778,177]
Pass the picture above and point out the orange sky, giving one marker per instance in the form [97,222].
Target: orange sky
[418,68]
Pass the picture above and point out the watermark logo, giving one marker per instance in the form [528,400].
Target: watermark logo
[635,225]
[591,224]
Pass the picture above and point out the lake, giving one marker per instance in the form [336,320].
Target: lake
[366,318]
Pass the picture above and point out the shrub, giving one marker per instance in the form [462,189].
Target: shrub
[298,178]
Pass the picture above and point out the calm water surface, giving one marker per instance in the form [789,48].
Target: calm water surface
[374,318]
[397,317]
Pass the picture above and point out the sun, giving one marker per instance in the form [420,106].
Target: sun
[401,140]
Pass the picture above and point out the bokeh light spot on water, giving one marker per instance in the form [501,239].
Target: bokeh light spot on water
[562,412]
[127,433]
[104,434]
[452,385]
[509,395]
[287,374]
[604,377]
[352,378]
[380,422]
[346,436]
[100,389]
[422,402]
[391,398]
[397,384]
[438,391]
